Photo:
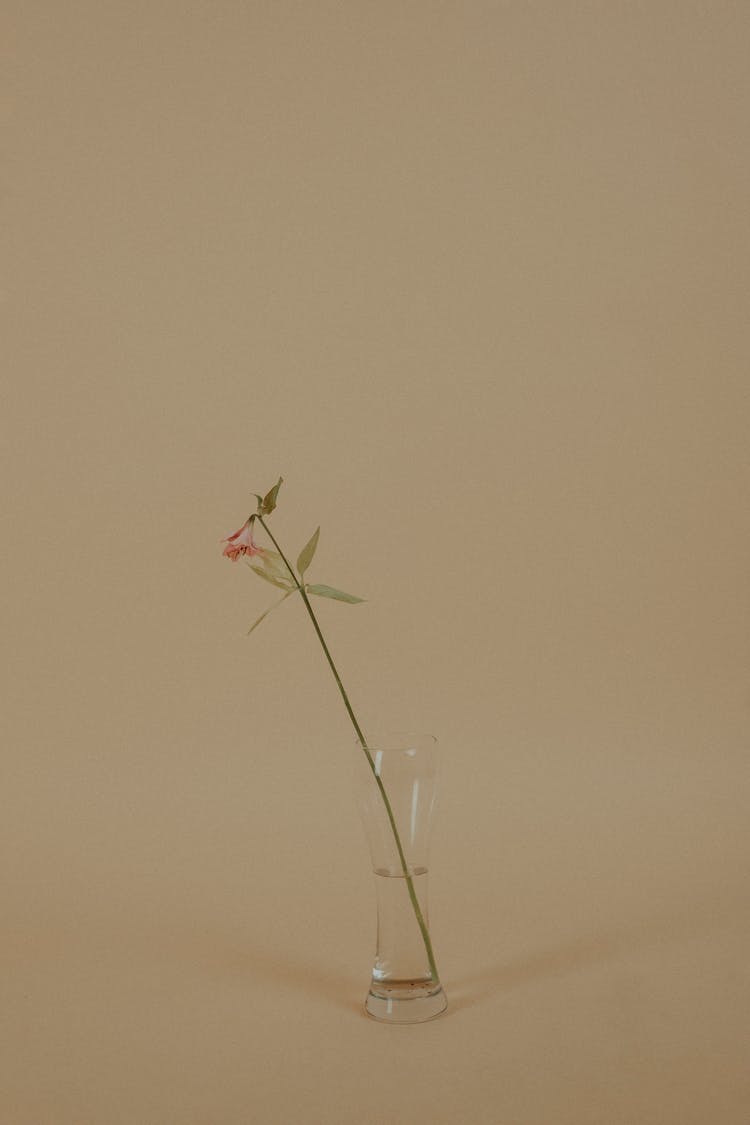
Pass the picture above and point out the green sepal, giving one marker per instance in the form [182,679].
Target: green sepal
[331,592]
[307,553]
[269,500]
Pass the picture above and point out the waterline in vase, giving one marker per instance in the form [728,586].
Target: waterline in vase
[402,989]
[395,782]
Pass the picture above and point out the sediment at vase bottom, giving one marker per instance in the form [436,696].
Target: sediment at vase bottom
[402,989]
[401,959]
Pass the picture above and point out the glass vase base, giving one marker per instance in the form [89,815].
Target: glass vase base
[405,1005]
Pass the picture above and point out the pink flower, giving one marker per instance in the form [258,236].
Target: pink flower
[241,543]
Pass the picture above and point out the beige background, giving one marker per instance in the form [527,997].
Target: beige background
[473,277]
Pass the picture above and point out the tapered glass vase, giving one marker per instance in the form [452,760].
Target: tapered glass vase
[395,781]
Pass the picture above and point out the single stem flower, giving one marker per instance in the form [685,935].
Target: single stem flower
[276,568]
[242,543]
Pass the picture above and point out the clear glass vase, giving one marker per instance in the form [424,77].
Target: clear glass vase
[395,781]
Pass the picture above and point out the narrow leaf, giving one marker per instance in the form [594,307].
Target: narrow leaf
[269,500]
[263,616]
[331,592]
[273,568]
[307,552]
[270,577]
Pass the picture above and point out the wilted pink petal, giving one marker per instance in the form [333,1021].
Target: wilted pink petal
[241,543]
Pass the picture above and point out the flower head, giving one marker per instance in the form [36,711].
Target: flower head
[241,543]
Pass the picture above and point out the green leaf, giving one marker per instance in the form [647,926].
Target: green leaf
[274,565]
[271,577]
[307,552]
[273,568]
[263,616]
[331,592]
[269,500]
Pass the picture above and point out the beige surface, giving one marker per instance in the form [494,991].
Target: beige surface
[474,278]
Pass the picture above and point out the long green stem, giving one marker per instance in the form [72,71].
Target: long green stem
[363,742]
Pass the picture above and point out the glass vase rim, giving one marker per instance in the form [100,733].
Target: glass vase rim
[404,736]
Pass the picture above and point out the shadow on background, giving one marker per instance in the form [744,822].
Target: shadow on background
[245,962]
[586,952]
[240,963]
